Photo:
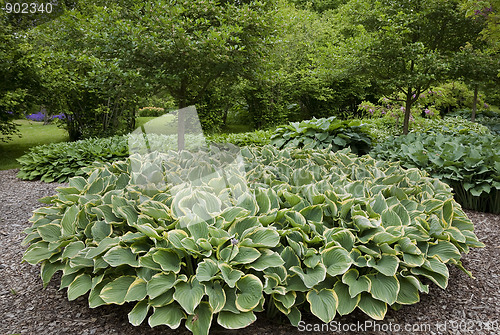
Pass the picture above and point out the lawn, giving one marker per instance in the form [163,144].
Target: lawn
[33,134]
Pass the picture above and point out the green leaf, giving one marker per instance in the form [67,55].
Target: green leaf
[245,255]
[115,291]
[206,270]
[170,315]
[189,294]
[323,304]
[374,308]
[200,322]
[37,254]
[336,260]
[408,292]
[250,292]
[81,285]
[230,320]
[137,315]
[230,275]
[216,296]
[261,237]
[444,250]
[68,221]
[356,283]
[311,277]
[384,288]
[267,259]
[50,232]
[117,256]
[346,304]
[387,265]
[168,259]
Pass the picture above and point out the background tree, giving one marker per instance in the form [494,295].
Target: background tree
[19,77]
[412,43]
[186,46]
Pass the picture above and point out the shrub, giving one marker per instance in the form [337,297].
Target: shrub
[258,137]
[449,126]
[323,133]
[151,111]
[301,230]
[381,129]
[487,118]
[469,162]
[61,161]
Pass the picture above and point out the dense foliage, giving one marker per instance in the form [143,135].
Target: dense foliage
[258,137]
[468,162]
[323,133]
[192,236]
[61,161]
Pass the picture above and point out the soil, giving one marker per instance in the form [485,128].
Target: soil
[466,306]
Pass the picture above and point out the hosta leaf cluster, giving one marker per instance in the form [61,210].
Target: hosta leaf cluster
[61,161]
[300,230]
[470,163]
[323,133]
[258,137]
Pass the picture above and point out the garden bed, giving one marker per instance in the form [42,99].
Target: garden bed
[26,308]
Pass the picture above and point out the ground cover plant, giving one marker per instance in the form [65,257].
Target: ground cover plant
[61,161]
[258,137]
[468,162]
[323,133]
[300,230]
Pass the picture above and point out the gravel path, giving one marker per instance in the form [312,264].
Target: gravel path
[467,306]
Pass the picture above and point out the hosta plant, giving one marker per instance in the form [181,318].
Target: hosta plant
[193,238]
[61,161]
[323,133]
[468,162]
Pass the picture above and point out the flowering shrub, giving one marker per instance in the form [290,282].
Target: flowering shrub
[41,117]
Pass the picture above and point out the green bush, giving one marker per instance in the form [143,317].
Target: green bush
[382,128]
[258,137]
[301,230]
[151,111]
[61,161]
[449,126]
[468,162]
[323,133]
[487,118]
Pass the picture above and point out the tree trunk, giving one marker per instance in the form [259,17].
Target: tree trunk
[474,104]
[406,121]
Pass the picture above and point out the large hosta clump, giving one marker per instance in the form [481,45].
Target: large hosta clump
[300,230]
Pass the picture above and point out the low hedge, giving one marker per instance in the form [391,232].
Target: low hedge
[469,162]
[195,237]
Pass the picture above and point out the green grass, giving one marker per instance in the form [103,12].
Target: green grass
[33,134]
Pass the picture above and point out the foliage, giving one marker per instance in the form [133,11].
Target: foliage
[487,118]
[258,137]
[83,75]
[312,230]
[19,77]
[404,54]
[150,111]
[61,161]
[323,133]
[468,162]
